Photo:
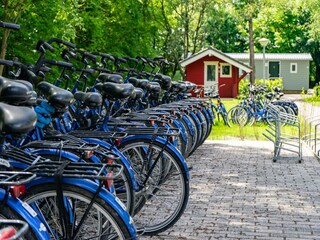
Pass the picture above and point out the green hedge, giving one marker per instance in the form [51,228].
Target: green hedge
[244,85]
[316,91]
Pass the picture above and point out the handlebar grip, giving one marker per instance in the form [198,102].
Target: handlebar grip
[143,59]
[119,59]
[42,45]
[131,59]
[89,55]
[48,46]
[6,62]
[60,41]
[9,25]
[104,55]
[59,63]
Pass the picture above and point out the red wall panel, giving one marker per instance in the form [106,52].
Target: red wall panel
[195,74]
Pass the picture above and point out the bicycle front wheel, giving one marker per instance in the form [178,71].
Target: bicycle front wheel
[101,222]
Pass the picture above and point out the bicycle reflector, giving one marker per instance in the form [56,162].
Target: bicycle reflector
[172,139]
[109,181]
[152,122]
[117,142]
[88,154]
[7,233]
[17,191]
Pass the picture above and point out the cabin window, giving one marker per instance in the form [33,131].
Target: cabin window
[293,68]
[225,70]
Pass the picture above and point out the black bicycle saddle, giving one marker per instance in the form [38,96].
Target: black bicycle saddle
[115,90]
[16,119]
[90,99]
[108,77]
[57,97]
[154,87]
[15,92]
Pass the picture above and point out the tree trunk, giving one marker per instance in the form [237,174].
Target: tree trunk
[251,49]
[316,60]
[186,29]
[4,47]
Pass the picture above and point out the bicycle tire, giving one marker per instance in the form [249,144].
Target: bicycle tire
[148,216]
[204,128]
[189,136]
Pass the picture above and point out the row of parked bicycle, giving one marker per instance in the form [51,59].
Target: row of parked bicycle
[254,108]
[107,162]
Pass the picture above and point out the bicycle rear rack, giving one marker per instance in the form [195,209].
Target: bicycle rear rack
[76,170]
[280,136]
[20,155]
[63,145]
[103,152]
[15,178]
[153,131]
[97,134]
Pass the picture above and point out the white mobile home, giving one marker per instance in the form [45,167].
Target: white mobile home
[292,68]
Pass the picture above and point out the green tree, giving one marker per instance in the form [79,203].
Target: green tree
[222,30]
[11,12]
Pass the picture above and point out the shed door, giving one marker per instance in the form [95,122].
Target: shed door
[274,69]
[211,74]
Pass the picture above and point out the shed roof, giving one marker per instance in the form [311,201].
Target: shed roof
[272,56]
[211,51]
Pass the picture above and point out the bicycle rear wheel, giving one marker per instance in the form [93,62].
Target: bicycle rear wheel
[102,221]
[238,116]
[166,192]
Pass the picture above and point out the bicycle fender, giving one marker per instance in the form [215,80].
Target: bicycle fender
[30,216]
[91,186]
[182,130]
[194,117]
[189,125]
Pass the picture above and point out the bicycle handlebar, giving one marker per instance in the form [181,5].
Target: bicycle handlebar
[6,62]
[88,55]
[60,41]
[9,25]
[58,63]
[104,55]
[42,45]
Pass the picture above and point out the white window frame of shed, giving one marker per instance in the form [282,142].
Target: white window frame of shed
[221,70]
[296,67]
[213,83]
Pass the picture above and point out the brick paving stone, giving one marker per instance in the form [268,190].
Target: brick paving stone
[237,192]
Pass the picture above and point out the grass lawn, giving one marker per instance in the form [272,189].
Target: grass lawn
[223,132]
[314,100]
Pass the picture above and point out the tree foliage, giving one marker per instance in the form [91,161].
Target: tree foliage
[171,28]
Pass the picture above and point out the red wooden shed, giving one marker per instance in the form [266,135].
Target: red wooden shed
[211,67]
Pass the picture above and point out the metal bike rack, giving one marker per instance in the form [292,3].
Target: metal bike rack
[285,135]
[311,134]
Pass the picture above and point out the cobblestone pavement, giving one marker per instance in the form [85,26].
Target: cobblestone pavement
[237,192]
